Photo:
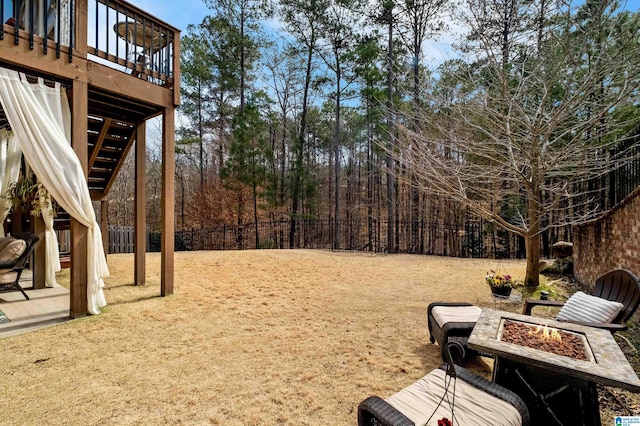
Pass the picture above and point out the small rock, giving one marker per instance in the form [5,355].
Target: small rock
[562,249]
[557,266]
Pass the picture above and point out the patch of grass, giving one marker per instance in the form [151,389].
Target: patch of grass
[556,287]
[63,277]
[248,337]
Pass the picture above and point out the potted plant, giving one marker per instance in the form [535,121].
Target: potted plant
[28,193]
[500,284]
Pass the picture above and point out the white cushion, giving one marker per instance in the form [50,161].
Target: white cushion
[584,308]
[7,276]
[472,405]
[4,241]
[12,251]
[445,314]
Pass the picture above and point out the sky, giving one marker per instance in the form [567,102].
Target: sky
[178,14]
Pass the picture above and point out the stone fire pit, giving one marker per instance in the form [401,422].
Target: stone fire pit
[605,363]
[547,339]
[557,381]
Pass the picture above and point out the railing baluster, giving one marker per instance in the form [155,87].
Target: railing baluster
[97,46]
[142,54]
[106,28]
[16,18]
[72,29]
[167,58]
[45,31]
[1,20]
[126,30]
[116,23]
[151,52]
[31,11]
[59,23]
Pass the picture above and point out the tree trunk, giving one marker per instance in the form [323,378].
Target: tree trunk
[532,246]
[389,158]
[239,236]
[201,136]
[532,238]
[255,212]
[299,147]
[336,148]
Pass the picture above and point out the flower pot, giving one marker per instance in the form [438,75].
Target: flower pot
[503,292]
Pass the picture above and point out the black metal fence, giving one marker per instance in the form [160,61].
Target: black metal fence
[473,238]
[626,178]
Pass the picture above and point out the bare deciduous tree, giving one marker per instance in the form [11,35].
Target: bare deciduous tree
[519,137]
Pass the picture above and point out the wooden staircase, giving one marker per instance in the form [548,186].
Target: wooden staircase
[111,132]
[109,143]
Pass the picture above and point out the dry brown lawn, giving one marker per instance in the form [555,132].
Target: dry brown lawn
[249,338]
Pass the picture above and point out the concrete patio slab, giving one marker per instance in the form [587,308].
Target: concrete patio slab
[45,307]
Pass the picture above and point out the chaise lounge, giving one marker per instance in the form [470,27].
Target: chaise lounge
[450,392]
[451,322]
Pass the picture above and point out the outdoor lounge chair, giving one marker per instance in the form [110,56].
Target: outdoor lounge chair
[451,321]
[450,392]
[14,253]
[618,287]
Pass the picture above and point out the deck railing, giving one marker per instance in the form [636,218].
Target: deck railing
[33,20]
[119,34]
[136,42]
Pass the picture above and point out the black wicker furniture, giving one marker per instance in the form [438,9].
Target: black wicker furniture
[12,264]
[476,402]
[451,322]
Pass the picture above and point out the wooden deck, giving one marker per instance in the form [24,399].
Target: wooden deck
[120,67]
[46,307]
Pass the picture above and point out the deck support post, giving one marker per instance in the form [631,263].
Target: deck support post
[140,246]
[79,232]
[168,200]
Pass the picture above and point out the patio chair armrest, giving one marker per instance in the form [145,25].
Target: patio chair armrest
[384,414]
[8,265]
[531,303]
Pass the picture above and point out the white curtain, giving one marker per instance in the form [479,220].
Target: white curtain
[55,102]
[31,110]
[10,155]
[52,263]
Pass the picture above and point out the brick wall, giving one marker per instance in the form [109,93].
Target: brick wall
[613,241]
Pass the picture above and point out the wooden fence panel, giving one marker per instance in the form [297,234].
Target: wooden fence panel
[121,239]
[64,240]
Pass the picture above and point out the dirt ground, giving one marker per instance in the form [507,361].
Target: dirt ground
[249,338]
